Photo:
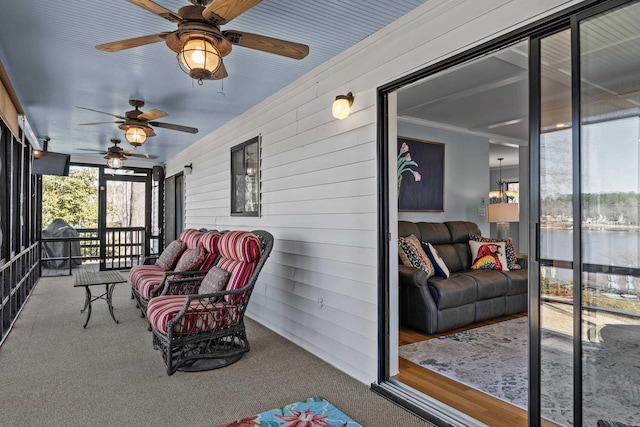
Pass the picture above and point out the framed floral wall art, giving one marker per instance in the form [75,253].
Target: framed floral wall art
[420,175]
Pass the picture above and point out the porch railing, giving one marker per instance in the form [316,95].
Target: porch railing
[124,247]
[17,278]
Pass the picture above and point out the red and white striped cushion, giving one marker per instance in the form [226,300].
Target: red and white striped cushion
[210,241]
[239,251]
[141,270]
[239,272]
[198,318]
[240,246]
[147,283]
[191,237]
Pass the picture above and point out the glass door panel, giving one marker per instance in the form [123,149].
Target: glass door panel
[125,219]
[556,230]
[610,213]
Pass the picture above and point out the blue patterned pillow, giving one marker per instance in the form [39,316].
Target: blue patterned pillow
[438,263]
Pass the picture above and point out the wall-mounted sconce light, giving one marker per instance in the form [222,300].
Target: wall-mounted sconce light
[38,154]
[188,169]
[341,106]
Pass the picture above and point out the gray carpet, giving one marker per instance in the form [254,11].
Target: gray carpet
[55,373]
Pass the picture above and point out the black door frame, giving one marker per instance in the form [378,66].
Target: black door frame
[103,177]
[568,18]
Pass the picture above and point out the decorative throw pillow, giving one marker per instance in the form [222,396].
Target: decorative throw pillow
[411,254]
[214,281]
[510,250]
[488,256]
[438,263]
[171,254]
[191,259]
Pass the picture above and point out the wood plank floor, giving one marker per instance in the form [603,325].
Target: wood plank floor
[479,405]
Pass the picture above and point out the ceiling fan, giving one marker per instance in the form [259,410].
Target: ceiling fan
[116,151]
[199,42]
[137,125]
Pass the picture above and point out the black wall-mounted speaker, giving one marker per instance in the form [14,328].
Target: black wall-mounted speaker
[158,173]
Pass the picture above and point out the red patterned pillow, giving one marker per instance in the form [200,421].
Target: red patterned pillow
[171,254]
[191,259]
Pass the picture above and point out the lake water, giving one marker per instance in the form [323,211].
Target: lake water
[604,247]
[619,248]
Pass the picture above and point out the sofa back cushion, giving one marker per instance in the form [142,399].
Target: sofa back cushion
[407,228]
[460,231]
[435,233]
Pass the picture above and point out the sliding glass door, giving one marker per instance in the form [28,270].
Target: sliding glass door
[586,326]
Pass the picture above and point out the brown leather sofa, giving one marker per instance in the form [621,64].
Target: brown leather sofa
[439,304]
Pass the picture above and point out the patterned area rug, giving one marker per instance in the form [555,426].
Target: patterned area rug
[494,359]
[313,412]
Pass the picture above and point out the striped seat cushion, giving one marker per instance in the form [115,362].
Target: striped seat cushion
[147,283]
[138,271]
[200,316]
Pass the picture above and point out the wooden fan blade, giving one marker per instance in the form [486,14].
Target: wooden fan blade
[220,73]
[267,44]
[152,115]
[102,112]
[93,150]
[100,123]
[133,42]
[174,127]
[158,10]
[140,155]
[222,11]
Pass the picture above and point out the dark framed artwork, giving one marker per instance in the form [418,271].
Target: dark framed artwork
[420,175]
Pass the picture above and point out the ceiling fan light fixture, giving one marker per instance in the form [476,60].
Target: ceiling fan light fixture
[341,105]
[115,163]
[199,58]
[135,136]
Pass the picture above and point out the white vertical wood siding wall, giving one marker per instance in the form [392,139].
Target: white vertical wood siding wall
[319,288]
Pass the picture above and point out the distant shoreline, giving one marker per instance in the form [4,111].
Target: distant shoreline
[558,225]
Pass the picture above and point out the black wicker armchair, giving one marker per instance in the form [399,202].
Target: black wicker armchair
[199,329]
[199,254]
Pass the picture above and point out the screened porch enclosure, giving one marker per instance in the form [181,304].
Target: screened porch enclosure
[98,219]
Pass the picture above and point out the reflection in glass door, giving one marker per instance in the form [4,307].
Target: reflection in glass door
[610,196]
[589,220]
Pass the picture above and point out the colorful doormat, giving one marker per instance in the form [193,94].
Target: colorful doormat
[313,412]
